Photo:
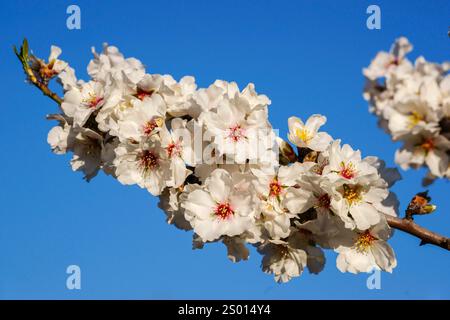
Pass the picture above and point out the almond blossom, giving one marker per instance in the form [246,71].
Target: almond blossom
[220,171]
[411,103]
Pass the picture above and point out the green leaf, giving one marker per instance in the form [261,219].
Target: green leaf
[24,49]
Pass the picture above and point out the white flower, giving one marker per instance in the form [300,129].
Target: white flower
[81,101]
[219,209]
[170,202]
[412,104]
[67,78]
[206,99]
[177,95]
[385,62]
[111,64]
[346,166]
[236,134]
[363,251]
[284,259]
[54,67]
[141,129]
[144,120]
[254,99]
[306,135]
[143,164]
[58,138]
[274,185]
[412,118]
[178,144]
[87,146]
[425,149]
[87,152]
[314,194]
[355,204]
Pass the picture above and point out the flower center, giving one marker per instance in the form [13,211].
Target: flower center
[275,188]
[46,70]
[303,134]
[224,211]
[427,145]
[236,133]
[352,193]
[93,101]
[414,118]
[364,241]
[173,150]
[151,125]
[147,161]
[142,94]
[347,171]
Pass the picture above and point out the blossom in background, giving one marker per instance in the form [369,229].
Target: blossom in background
[411,101]
[386,62]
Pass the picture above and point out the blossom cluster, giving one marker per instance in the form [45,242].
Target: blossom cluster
[412,103]
[220,170]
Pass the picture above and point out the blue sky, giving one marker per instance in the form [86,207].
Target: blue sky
[306,57]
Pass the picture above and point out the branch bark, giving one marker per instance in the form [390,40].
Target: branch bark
[44,88]
[426,236]
[23,56]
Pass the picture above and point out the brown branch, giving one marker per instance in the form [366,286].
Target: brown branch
[426,236]
[41,86]
[23,56]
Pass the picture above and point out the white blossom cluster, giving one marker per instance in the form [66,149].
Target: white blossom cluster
[214,160]
[412,102]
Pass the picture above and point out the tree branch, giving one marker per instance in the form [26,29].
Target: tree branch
[426,236]
[23,56]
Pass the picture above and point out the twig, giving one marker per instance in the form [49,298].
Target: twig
[23,56]
[426,236]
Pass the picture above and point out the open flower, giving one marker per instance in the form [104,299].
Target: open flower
[219,209]
[144,120]
[280,201]
[238,134]
[178,144]
[385,62]
[306,135]
[364,251]
[144,164]
[346,166]
[82,101]
[425,149]
[355,204]
[284,259]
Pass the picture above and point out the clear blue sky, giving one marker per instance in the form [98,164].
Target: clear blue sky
[306,57]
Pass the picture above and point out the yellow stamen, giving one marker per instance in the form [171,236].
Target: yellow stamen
[414,118]
[364,241]
[352,193]
[303,134]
